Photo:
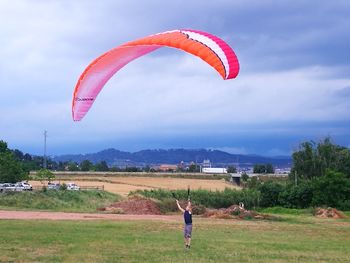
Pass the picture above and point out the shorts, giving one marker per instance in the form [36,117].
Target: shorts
[188,231]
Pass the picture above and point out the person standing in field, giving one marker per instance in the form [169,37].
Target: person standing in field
[187,212]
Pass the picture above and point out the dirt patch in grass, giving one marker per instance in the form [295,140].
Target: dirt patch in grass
[134,206]
[45,215]
[235,212]
[329,213]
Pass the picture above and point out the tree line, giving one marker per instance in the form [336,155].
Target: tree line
[27,162]
[320,176]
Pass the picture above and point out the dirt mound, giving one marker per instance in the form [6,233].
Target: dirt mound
[234,212]
[329,213]
[134,206]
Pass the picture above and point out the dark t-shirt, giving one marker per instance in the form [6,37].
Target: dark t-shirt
[188,218]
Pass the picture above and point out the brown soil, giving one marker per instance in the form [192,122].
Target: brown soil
[329,213]
[134,206]
[37,215]
[234,212]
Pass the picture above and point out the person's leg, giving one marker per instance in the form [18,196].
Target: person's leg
[185,235]
[189,235]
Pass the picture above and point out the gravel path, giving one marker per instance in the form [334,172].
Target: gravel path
[35,215]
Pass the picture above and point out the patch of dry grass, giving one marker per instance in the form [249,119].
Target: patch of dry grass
[124,185]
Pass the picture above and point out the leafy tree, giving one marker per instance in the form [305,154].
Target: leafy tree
[86,165]
[44,175]
[193,168]
[269,168]
[27,157]
[312,160]
[297,196]
[115,169]
[102,166]
[263,168]
[132,169]
[232,169]
[270,192]
[73,166]
[147,169]
[61,166]
[11,169]
[253,182]
[333,189]
[18,154]
[245,177]
[258,168]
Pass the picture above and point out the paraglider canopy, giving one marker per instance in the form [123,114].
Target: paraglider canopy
[213,50]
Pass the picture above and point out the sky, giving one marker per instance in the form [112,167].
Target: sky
[293,85]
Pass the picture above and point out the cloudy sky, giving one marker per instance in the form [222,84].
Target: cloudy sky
[294,83]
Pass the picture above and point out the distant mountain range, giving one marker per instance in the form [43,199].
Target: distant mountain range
[217,158]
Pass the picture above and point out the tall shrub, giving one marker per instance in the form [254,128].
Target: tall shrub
[333,190]
[11,169]
[299,196]
[270,192]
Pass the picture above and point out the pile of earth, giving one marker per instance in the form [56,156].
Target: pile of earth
[235,212]
[329,213]
[134,206]
[138,205]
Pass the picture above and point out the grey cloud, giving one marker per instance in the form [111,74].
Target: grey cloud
[294,57]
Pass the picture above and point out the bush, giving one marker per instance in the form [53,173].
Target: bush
[270,192]
[299,196]
[11,170]
[44,174]
[210,199]
[253,182]
[63,187]
[333,190]
[167,205]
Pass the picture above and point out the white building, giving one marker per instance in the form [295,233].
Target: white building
[212,170]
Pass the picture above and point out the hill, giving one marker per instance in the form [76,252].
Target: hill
[174,156]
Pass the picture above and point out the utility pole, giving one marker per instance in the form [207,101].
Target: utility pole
[45,161]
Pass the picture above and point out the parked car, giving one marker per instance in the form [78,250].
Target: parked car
[25,186]
[1,188]
[73,187]
[53,186]
[8,187]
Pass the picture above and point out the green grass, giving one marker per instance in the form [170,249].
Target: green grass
[67,201]
[152,241]
[277,210]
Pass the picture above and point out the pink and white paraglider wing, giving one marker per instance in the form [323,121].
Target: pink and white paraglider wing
[209,48]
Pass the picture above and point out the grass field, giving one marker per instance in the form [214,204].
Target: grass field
[294,239]
[66,201]
[124,185]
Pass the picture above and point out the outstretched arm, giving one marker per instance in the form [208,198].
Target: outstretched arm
[180,208]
